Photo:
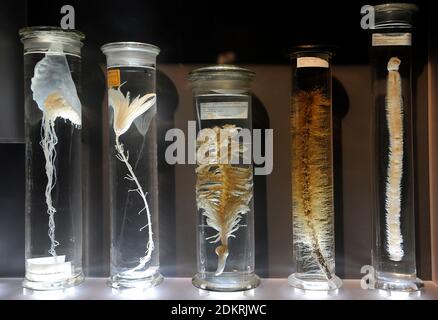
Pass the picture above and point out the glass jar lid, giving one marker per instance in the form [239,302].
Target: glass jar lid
[53,39]
[393,15]
[135,54]
[221,72]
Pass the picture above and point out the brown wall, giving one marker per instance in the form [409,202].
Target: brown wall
[353,235]
[433,142]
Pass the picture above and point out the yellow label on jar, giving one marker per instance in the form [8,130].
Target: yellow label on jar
[113,78]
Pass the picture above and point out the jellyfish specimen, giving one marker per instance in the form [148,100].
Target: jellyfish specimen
[223,190]
[55,94]
[125,113]
[394,116]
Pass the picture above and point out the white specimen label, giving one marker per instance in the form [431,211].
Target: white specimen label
[391,39]
[48,269]
[224,110]
[312,62]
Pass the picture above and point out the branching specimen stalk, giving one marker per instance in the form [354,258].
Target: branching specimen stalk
[394,117]
[132,177]
[125,112]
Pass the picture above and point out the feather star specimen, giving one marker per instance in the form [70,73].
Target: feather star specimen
[55,94]
[125,112]
[394,117]
[312,180]
[223,192]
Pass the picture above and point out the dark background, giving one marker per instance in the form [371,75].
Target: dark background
[191,33]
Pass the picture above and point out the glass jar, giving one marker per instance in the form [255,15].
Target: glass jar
[312,170]
[53,229]
[393,255]
[131,80]
[224,185]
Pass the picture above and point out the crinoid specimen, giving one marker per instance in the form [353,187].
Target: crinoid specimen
[223,190]
[55,94]
[125,113]
[312,192]
[394,118]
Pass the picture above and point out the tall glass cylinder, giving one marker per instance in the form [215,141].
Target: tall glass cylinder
[393,255]
[52,71]
[224,185]
[131,72]
[312,170]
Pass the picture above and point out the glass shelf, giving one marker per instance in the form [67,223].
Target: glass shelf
[182,289]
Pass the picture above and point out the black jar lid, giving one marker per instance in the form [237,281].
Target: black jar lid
[312,48]
[391,15]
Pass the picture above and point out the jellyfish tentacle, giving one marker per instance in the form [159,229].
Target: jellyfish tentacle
[48,143]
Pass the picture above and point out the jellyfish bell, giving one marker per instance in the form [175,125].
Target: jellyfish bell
[57,107]
[54,90]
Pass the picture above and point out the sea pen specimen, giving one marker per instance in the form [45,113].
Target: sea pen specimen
[125,113]
[312,180]
[394,117]
[223,191]
[56,96]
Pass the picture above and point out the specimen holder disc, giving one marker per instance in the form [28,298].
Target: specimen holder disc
[117,282]
[53,285]
[226,282]
[314,282]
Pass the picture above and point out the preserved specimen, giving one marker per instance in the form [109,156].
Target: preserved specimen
[133,165]
[393,255]
[312,171]
[223,193]
[394,115]
[224,187]
[53,148]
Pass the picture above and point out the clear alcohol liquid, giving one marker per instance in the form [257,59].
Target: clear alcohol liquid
[129,219]
[312,180]
[65,195]
[388,270]
[238,273]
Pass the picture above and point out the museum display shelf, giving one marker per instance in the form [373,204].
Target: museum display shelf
[182,289]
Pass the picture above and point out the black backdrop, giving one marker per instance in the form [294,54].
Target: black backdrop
[188,32]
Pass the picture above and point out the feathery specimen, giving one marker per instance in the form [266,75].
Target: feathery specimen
[394,117]
[312,192]
[125,112]
[223,190]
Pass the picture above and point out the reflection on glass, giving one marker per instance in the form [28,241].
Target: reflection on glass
[224,189]
[133,164]
[393,255]
[312,170]
[52,68]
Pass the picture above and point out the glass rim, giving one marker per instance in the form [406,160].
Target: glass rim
[50,31]
[130,46]
[225,70]
[395,7]
[313,48]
